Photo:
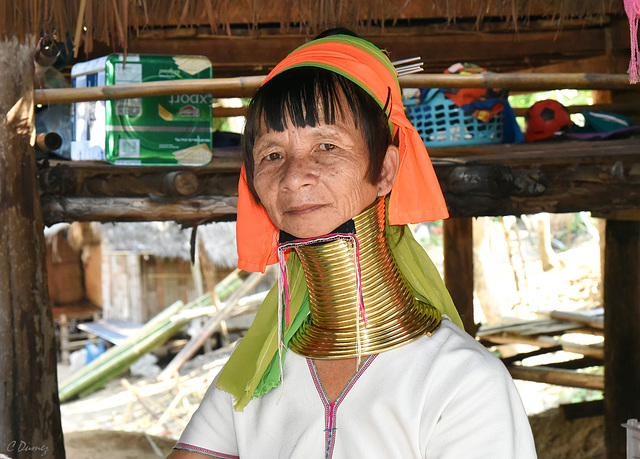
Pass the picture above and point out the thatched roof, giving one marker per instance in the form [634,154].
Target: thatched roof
[117,21]
[169,240]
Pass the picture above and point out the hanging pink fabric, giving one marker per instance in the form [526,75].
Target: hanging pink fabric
[632,7]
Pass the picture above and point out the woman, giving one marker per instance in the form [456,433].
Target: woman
[358,352]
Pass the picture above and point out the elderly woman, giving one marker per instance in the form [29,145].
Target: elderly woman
[359,351]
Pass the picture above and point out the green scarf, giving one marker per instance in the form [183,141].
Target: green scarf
[253,369]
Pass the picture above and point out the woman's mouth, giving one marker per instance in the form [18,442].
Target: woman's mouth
[298,211]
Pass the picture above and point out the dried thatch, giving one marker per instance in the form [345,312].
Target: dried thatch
[113,22]
[169,240]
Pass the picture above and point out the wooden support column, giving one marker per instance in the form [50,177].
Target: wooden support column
[458,267]
[29,408]
[622,331]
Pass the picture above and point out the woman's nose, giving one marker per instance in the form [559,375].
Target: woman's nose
[298,173]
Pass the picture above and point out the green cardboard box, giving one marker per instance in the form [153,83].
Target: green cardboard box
[159,130]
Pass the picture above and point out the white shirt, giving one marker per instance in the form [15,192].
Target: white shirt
[443,396]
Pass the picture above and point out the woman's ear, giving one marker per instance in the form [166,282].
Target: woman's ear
[389,170]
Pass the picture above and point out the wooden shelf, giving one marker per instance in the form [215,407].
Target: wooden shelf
[484,180]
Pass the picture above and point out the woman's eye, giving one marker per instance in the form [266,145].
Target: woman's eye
[327,146]
[273,156]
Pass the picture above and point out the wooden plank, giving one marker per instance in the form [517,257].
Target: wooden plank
[582,409]
[557,377]
[575,364]
[546,341]
[621,295]
[458,268]
[594,319]
[524,355]
[500,50]
[92,264]
[113,330]
[200,209]
[528,327]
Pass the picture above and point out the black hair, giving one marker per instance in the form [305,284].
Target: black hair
[306,96]
[336,31]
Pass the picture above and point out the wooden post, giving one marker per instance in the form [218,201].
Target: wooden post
[458,267]
[621,331]
[29,408]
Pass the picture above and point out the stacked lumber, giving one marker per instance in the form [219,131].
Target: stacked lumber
[546,334]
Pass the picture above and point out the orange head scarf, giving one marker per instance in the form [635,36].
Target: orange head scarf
[416,195]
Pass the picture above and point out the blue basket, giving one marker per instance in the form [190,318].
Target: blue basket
[441,123]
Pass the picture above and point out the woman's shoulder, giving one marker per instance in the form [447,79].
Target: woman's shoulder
[449,349]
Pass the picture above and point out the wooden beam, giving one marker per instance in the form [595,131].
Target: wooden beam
[546,341]
[484,180]
[594,322]
[621,295]
[558,377]
[189,211]
[440,45]
[29,407]
[557,177]
[458,268]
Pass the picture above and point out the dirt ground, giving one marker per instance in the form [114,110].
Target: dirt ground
[109,444]
[558,438]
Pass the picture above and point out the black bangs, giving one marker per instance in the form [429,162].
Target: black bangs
[303,98]
[308,96]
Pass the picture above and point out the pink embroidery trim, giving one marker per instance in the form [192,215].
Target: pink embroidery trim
[205,451]
[331,409]
[632,8]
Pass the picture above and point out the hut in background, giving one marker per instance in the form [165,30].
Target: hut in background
[132,271]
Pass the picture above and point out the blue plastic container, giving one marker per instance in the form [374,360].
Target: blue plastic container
[441,123]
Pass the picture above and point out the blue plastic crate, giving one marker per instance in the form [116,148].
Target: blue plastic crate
[441,123]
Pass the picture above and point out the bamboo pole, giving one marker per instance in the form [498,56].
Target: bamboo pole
[212,324]
[154,333]
[521,81]
[116,359]
[246,86]
[217,87]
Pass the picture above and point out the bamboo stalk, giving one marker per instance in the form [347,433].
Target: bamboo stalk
[521,81]
[209,327]
[156,332]
[246,86]
[118,358]
[217,87]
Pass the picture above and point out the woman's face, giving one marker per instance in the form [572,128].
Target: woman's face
[313,179]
